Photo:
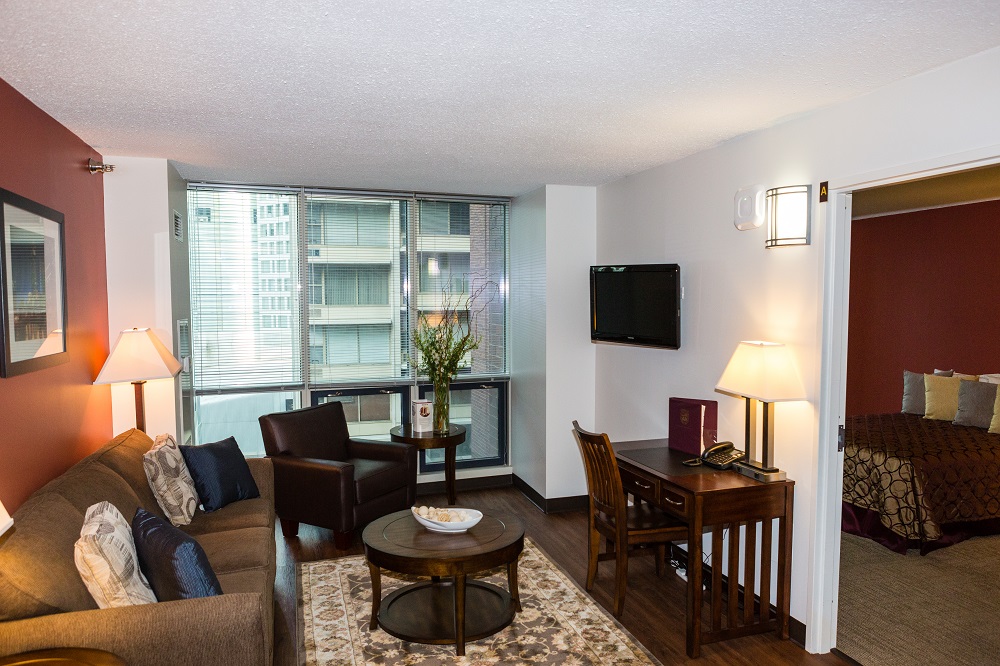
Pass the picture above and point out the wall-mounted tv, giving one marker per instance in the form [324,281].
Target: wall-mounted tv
[637,304]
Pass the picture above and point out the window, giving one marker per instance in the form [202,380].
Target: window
[275,319]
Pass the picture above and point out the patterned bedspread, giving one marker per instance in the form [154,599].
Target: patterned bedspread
[921,475]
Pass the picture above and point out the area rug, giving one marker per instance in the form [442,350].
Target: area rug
[559,622]
[899,610]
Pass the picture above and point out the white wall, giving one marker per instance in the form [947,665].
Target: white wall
[552,241]
[735,289]
[137,238]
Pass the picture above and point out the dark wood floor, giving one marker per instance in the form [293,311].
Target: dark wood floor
[654,607]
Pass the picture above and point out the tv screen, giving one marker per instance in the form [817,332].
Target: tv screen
[636,304]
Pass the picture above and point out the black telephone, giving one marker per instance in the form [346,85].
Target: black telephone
[720,456]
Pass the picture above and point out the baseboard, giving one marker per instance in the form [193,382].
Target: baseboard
[473,483]
[796,629]
[554,505]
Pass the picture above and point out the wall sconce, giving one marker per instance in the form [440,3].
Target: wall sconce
[97,167]
[788,215]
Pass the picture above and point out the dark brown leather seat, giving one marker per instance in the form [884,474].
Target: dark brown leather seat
[324,477]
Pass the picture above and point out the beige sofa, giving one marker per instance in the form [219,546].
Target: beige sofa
[44,604]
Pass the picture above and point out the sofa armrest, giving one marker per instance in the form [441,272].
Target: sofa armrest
[226,630]
[376,450]
[263,475]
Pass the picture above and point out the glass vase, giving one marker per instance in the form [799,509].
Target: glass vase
[442,406]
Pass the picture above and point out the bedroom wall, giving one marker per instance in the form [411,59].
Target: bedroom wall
[735,289]
[922,288]
[54,417]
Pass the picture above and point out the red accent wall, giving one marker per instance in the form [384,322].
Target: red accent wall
[53,417]
[924,293]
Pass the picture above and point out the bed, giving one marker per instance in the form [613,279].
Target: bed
[912,482]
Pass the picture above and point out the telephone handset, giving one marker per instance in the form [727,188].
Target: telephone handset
[720,456]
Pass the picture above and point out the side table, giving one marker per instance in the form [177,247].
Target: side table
[448,441]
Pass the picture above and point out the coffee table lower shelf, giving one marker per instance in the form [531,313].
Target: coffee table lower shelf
[425,612]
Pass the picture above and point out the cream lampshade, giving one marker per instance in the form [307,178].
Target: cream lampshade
[6,522]
[764,371]
[138,355]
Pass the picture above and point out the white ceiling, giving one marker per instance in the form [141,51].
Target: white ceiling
[468,96]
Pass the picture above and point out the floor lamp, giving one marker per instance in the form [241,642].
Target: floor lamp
[761,372]
[138,355]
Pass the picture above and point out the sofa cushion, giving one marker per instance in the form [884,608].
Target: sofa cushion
[37,574]
[246,513]
[220,473]
[123,455]
[170,480]
[106,559]
[235,550]
[374,478]
[174,562]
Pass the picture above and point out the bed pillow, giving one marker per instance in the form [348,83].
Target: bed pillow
[170,481]
[991,378]
[941,397]
[174,562]
[913,391]
[975,404]
[221,474]
[995,423]
[106,559]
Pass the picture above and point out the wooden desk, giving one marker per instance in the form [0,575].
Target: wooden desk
[721,500]
[448,441]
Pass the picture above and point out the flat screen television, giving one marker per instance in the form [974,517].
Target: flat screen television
[637,304]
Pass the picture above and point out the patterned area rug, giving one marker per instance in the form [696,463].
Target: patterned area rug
[559,623]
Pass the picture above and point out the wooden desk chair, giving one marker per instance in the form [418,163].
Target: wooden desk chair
[624,527]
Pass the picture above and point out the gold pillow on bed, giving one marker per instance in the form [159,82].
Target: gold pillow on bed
[941,397]
[995,423]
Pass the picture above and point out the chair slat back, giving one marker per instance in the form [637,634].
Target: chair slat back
[604,484]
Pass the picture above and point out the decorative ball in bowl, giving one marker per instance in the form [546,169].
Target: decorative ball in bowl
[452,520]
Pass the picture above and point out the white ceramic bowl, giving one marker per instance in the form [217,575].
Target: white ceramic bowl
[450,527]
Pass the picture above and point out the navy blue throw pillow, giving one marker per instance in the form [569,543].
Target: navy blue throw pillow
[174,564]
[220,472]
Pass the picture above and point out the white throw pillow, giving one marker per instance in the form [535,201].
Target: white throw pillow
[992,378]
[170,480]
[105,557]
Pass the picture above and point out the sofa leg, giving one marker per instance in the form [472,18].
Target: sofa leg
[289,528]
[342,540]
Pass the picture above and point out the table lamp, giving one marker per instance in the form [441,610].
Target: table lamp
[138,355]
[6,522]
[765,372]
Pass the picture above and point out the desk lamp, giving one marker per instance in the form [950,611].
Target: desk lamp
[138,355]
[765,372]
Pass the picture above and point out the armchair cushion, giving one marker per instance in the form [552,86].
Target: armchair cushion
[374,478]
[311,432]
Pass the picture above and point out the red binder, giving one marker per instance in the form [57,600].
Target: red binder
[694,424]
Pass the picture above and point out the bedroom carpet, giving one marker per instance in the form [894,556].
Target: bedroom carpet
[899,610]
[559,623]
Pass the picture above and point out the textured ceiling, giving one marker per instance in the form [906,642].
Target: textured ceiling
[466,96]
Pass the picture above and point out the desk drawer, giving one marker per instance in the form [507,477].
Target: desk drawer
[673,501]
[637,483]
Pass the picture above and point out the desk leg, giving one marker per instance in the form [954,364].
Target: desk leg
[449,473]
[694,590]
[785,564]
[376,575]
[460,614]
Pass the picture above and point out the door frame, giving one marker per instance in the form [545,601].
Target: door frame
[821,627]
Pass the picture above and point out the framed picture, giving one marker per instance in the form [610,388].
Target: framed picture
[32,285]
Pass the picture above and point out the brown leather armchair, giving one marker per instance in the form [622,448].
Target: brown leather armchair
[324,477]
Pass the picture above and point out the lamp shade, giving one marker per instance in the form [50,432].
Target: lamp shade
[762,370]
[5,520]
[138,355]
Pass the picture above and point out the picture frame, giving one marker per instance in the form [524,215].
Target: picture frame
[32,286]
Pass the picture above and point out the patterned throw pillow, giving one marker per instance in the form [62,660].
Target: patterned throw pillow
[106,559]
[170,480]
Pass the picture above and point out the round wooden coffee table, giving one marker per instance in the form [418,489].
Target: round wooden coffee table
[446,609]
[448,441]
